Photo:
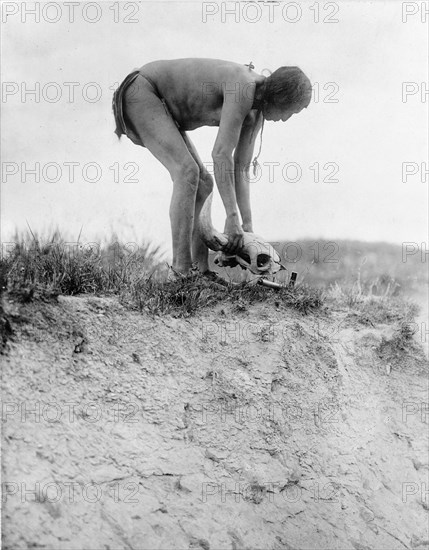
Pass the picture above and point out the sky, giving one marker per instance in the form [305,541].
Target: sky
[351,166]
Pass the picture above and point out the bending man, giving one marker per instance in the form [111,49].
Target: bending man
[158,104]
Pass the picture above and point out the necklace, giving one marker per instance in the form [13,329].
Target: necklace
[255,160]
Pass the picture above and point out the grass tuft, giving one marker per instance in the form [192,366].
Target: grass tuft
[392,349]
[371,308]
[187,295]
[45,269]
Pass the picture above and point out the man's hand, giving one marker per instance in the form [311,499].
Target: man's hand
[234,234]
[247,227]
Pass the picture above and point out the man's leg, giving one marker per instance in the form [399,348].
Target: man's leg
[182,206]
[159,133]
[200,252]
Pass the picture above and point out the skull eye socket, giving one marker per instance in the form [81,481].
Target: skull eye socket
[245,257]
[262,260]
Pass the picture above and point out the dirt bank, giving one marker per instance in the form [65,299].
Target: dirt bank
[242,427]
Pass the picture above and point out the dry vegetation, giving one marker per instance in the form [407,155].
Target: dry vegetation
[367,278]
[36,268]
[351,275]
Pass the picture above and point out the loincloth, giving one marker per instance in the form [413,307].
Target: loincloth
[118,107]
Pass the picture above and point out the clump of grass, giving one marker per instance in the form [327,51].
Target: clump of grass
[186,295]
[401,342]
[373,307]
[384,286]
[375,310]
[303,298]
[33,267]
[5,329]
[182,297]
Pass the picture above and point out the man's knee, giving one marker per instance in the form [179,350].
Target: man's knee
[187,173]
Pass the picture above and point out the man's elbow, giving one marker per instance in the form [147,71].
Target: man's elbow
[221,154]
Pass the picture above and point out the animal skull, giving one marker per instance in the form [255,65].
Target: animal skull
[256,255]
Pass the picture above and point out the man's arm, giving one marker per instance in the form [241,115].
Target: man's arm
[242,159]
[233,115]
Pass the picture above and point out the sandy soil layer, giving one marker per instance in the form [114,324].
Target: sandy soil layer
[252,427]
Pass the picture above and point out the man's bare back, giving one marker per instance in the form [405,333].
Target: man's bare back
[195,88]
[169,98]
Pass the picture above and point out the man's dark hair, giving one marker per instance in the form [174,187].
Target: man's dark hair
[287,86]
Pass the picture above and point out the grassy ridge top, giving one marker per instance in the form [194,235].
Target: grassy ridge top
[347,270]
[367,280]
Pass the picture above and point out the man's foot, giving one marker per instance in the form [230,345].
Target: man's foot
[213,277]
[195,274]
[173,275]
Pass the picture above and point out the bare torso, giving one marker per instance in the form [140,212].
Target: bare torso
[196,89]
